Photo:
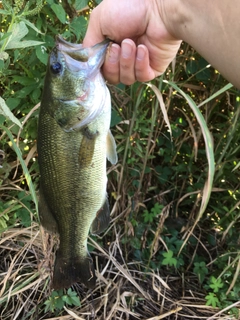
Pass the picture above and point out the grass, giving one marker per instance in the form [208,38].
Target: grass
[172,248]
[123,291]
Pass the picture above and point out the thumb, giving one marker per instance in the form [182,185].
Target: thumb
[94,34]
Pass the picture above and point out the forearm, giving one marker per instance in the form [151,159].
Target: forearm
[212,27]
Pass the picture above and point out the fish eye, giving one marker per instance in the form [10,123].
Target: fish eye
[56,67]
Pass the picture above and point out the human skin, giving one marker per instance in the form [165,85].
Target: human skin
[148,33]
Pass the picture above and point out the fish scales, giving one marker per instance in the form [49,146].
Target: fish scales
[76,190]
[72,160]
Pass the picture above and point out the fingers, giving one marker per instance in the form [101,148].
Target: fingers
[143,70]
[110,69]
[127,63]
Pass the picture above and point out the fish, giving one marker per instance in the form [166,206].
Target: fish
[74,143]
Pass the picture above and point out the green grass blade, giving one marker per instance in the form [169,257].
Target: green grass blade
[162,105]
[4,110]
[216,94]
[209,151]
[21,287]
[24,167]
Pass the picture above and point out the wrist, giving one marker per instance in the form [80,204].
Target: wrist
[172,15]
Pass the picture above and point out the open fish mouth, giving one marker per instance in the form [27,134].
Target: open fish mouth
[91,58]
[77,51]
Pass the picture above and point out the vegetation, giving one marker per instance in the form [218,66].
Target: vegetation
[172,248]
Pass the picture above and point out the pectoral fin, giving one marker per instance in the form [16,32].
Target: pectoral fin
[87,147]
[111,148]
[101,222]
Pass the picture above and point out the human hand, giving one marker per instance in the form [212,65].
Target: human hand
[144,47]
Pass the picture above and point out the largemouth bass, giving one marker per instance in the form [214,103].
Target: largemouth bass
[74,141]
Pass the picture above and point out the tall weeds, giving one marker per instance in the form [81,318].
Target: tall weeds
[172,247]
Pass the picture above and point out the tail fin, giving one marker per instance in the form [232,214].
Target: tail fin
[72,270]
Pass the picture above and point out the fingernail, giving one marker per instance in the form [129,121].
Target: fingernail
[113,55]
[140,52]
[126,49]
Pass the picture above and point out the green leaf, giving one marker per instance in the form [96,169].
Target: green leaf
[78,26]
[25,44]
[80,4]
[70,292]
[7,112]
[25,81]
[191,67]
[31,25]
[157,209]
[4,36]
[25,91]
[66,299]
[200,68]
[200,270]
[59,303]
[42,55]
[147,216]
[216,284]
[5,12]
[12,103]
[18,32]
[75,301]
[50,2]
[169,260]
[212,300]
[59,12]
[25,217]
[48,306]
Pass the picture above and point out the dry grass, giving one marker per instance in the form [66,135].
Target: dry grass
[123,291]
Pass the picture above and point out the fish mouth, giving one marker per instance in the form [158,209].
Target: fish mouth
[77,51]
[77,57]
